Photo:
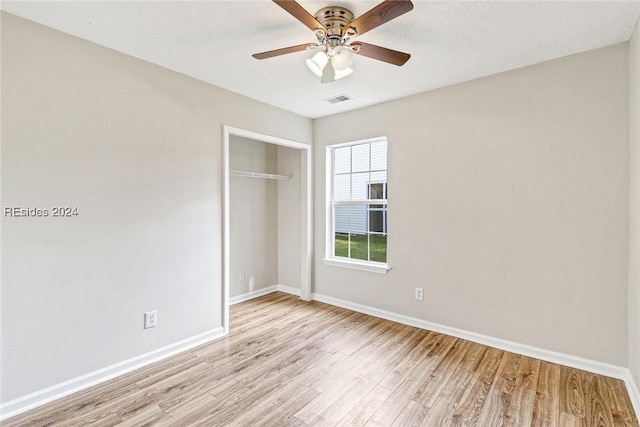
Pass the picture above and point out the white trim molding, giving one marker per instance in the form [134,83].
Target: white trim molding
[373,267]
[251,295]
[288,290]
[264,291]
[514,347]
[634,392]
[33,400]
[306,219]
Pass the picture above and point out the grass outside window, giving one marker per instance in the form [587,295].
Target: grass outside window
[360,246]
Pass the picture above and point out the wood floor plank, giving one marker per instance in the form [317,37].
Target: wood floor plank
[410,384]
[97,419]
[287,362]
[359,403]
[431,342]
[281,405]
[520,410]
[620,403]
[366,407]
[468,406]
[443,408]
[150,416]
[430,390]
[568,420]
[598,410]
[546,410]
[572,393]
[350,397]
[413,414]
[494,410]
[347,373]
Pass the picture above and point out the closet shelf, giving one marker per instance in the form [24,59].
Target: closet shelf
[259,175]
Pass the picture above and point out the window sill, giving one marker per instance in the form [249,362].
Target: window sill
[364,266]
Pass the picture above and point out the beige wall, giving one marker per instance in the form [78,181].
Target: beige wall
[137,148]
[508,205]
[253,211]
[634,206]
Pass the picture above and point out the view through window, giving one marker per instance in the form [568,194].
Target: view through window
[359,201]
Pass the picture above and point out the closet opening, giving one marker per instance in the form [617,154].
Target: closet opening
[266,217]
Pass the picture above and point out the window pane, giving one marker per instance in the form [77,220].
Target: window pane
[379,177]
[360,158]
[379,156]
[378,247]
[342,187]
[377,219]
[359,186]
[342,160]
[351,237]
[341,245]
[341,219]
[358,219]
[376,190]
[350,219]
[360,246]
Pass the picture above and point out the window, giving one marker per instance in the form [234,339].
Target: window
[357,190]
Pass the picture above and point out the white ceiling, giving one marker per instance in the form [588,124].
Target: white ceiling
[450,42]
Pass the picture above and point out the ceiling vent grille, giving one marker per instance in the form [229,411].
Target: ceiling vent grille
[339,98]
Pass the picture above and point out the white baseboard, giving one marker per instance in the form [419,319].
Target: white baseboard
[288,290]
[49,394]
[252,295]
[264,291]
[514,347]
[634,392]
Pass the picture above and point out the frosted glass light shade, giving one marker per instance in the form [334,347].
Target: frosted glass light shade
[317,63]
[343,73]
[342,58]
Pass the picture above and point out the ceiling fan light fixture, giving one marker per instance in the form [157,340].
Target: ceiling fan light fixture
[317,63]
[343,73]
[320,65]
[328,73]
[342,58]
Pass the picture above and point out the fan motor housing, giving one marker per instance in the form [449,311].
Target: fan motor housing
[334,19]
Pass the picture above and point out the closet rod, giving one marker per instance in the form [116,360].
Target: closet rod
[259,175]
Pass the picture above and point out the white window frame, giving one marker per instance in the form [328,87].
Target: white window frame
[330,259]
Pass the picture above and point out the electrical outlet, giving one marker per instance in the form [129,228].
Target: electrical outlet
[419,294]
[150,319]
[243,277]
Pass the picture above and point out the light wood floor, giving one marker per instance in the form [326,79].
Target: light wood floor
[291,363]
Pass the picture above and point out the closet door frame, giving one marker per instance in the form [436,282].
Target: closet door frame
[306,219]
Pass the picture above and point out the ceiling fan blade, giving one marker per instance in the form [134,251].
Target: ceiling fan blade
[283,51]
[301,14]
[381,53]
[384,12]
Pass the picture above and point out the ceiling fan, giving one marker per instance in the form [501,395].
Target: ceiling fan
[335,27]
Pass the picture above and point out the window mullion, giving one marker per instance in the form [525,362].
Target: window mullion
[360,202]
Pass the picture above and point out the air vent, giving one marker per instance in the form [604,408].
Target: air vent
[339,98]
